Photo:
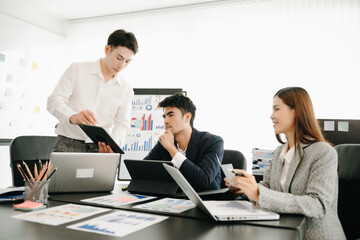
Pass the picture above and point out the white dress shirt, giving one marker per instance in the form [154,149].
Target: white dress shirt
[82,87]
[286,157]
[179,157]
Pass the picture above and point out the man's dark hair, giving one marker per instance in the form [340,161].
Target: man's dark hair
[180,101]
[122,38]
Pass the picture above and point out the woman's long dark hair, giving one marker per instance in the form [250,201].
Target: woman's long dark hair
[307,128]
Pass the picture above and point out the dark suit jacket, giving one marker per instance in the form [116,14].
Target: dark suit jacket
[201,168]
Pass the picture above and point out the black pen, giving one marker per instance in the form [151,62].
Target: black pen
[237,173]
[51,173]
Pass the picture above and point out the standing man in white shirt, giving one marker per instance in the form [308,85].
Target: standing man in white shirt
[94,93]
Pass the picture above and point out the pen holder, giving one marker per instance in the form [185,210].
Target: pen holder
[37,191]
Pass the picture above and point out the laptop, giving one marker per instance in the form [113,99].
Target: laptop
[235,210]
[83,172]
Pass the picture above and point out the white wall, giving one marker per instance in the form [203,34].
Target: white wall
[233,58]
[24,87]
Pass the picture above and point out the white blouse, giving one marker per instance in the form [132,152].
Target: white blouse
[286,157]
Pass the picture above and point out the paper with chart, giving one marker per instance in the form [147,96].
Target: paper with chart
[227,168]
[118,224]
[170,205]
[62,214]
[118,199]
[230,208]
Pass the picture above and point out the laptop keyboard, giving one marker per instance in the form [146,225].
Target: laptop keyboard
[228,195]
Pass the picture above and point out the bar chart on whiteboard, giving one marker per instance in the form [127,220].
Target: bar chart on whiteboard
[147,125]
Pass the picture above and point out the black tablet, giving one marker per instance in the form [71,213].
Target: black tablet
[98,134]
[148,169]
[150,177]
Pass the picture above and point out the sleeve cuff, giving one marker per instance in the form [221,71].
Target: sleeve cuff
[178,160]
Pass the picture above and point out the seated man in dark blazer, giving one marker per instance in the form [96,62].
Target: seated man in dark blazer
[196,154]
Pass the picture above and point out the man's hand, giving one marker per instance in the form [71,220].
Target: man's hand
[167,141]
[84,117]
[103,148]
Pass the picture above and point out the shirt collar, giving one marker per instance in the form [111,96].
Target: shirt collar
[287,156]
[96,69]
[180,150]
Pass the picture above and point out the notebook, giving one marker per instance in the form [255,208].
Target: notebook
[235,210]
[83,172]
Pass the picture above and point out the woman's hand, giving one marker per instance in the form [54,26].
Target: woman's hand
[244,184]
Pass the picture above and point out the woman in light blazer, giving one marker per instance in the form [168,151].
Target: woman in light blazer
[302,178]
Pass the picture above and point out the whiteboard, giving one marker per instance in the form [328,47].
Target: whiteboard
[26,82]
[147,125]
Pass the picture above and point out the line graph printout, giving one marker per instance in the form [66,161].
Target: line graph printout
[171,205]
[62,214]
[118,223]
[118,199]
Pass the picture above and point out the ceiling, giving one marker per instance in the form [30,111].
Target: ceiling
[53,14]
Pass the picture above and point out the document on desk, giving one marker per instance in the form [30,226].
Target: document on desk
[61,214]
[118,199]
[119,223]
[170,205]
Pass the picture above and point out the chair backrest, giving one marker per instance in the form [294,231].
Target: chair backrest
[236,158]
[349,188]
[29,149]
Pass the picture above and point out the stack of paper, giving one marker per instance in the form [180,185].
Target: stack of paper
[11,194]
[261,160]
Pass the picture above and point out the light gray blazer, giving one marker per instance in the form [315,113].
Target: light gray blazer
[311,189]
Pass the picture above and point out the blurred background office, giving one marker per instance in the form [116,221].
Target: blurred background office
[230,56]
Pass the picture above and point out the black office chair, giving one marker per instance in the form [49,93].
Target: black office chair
[29,149]
[236,158]
[349,189]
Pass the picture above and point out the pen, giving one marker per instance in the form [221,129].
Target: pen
[237,173]
[124,188]
[52,173]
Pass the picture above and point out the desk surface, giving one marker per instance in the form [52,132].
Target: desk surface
[288,221]
[175,228]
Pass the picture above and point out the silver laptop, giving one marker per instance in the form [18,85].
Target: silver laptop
[83,172]
[234,210]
